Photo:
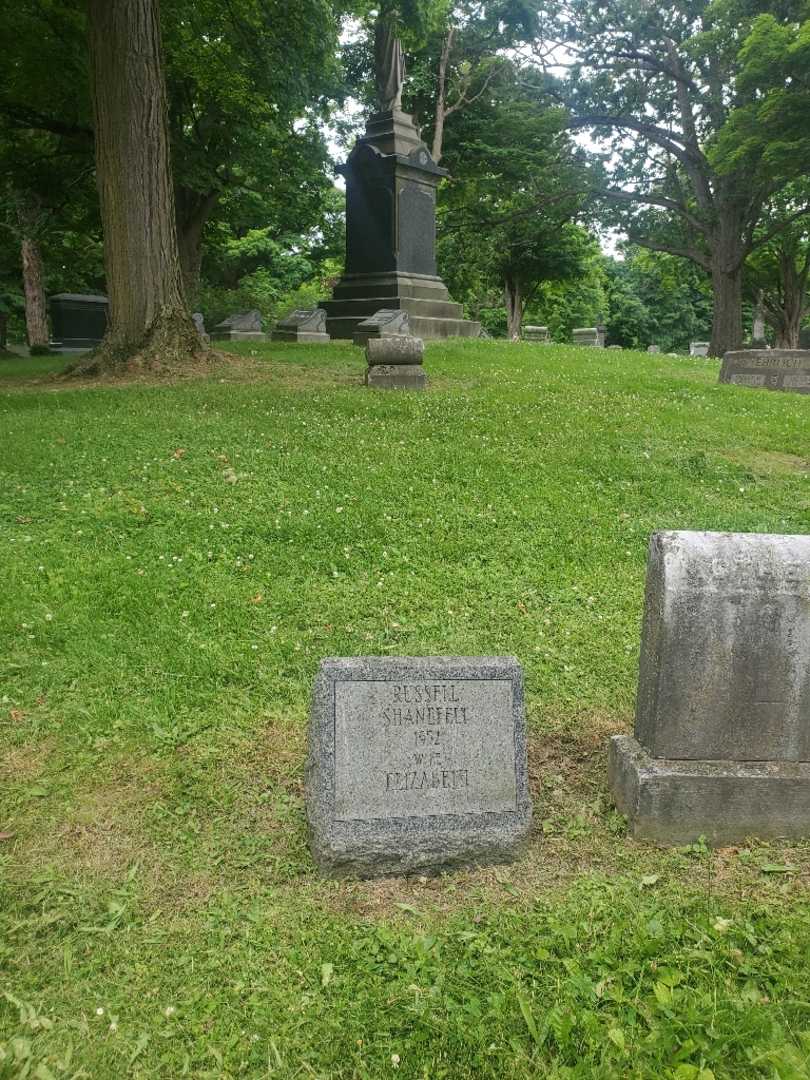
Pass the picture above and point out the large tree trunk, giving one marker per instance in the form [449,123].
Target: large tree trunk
[787,316]
[148,316]
[36,317]
[193,212]
[514,308]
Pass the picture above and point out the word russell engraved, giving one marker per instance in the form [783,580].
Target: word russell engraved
[417,763]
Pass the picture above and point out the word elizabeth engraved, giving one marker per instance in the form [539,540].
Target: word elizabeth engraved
[416,764]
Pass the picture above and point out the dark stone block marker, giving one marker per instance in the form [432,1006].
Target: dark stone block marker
[722,735]
[416,764]
[768,369]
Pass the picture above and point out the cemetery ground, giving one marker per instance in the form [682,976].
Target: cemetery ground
[178,557]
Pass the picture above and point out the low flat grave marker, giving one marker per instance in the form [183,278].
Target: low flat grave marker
[768,369]
[722,734]
[304,325]
[416,764]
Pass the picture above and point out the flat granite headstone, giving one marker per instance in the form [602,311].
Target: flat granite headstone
[416,764]
[386,322]
[592,336]
[722,734]
[305,325]
[768,369]
[243,326]
[699,348]
[535,333]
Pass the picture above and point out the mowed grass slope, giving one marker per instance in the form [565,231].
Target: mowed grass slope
[177,559]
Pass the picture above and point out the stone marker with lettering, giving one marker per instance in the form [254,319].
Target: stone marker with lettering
[244,326]
[722,735]
[699,348]
[768,369]
[591,336]
[536,333]
[416,764]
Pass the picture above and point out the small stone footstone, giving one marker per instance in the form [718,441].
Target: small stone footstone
[416,764]
[722,734]
[395,363]
[768,369]
[305,325]
[387,322]
[653,349]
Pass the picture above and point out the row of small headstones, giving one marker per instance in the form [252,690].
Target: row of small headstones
[417,764]
[594,336]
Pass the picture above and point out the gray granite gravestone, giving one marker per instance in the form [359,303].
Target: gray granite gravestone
[652,349]
[588,335]
[699,348]
[387,322]
[722,735]
[535,333]
[244,326]
[395,363]
[305,325]
[78,321]
[416,764]
[768,369]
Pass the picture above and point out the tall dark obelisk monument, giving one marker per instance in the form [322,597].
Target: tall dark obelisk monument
[391,182]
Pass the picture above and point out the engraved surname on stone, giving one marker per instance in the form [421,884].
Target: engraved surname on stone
[428,714]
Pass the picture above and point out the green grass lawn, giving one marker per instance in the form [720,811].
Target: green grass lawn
[176,559]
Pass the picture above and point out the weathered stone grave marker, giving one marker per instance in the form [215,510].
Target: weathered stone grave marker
[699,348]
[536,333]
[395,363]
[592,336]
[387,322]
[244,326]
[768,369]
[304,325]
[722,735]
[416,764]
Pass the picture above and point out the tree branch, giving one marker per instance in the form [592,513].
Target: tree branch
[684,253]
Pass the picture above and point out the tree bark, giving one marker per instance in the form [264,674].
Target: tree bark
[36,317]
[441,97]
[193,211]
[514,308]
[148,316]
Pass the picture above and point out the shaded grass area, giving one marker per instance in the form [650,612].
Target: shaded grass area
[177,559]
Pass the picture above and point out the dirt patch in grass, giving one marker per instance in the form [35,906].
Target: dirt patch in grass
[25,762]
[768,462]
[101,833]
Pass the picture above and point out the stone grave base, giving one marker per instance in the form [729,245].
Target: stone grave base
[303,337]
[239,335]
[396,377]
[678,801]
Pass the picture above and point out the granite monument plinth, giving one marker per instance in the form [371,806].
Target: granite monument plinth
[722,736]
[416,764]
[768,369]
[304,325]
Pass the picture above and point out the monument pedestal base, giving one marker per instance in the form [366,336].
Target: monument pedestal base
[396,377]
[431,312]
[677,801]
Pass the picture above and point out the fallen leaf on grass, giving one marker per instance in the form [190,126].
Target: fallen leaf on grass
[7,835]
[179,452]
[257,599]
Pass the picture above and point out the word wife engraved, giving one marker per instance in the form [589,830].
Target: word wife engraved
[416,763]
